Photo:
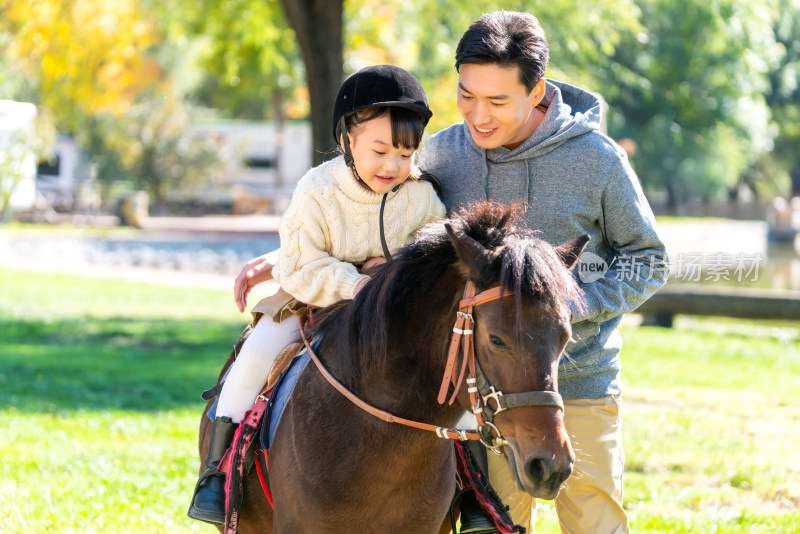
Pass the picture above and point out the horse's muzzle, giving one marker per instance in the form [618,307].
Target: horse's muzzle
[545,476]
[540,475]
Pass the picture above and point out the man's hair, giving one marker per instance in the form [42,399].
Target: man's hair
[507,39]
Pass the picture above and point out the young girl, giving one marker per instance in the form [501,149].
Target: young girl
[355,209]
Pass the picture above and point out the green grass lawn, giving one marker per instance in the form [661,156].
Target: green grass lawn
[100,403]
[100,385]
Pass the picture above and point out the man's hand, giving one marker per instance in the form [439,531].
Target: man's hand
[253,273]
[369,265]
[372,263]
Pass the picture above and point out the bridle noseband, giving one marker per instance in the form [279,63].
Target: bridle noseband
[478,387]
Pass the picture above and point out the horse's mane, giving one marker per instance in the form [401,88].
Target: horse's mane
[520,261]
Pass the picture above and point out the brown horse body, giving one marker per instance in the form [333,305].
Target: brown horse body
[334,468]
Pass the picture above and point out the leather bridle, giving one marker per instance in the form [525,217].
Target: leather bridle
[478,387]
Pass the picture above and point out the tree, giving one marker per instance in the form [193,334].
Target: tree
[421,36]
[318,26]
[101,68]
[783,99]
[157,153]
[90,61]
[689,90]
[241,56]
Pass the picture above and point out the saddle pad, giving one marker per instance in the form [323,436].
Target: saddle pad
[265,414]
[281,393]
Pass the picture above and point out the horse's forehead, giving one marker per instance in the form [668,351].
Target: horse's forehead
[531,312]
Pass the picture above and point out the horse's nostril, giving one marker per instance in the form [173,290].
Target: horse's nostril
[538,469]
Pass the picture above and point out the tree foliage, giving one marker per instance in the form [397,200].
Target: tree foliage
[707,90]
[246,51]
[783,99]
[89,57]
[100,68]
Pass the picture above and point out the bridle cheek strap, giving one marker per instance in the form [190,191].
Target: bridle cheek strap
[463,329]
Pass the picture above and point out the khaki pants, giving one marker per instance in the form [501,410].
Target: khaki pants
[590,502]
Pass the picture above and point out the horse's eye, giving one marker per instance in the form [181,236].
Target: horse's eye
[497,342]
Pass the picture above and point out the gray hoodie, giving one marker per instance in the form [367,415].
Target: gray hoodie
[575,180]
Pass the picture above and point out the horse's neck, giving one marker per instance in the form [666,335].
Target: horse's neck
[417,353]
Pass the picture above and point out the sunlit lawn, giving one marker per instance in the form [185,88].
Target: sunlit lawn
[99,408]
[711,428]
[100,402]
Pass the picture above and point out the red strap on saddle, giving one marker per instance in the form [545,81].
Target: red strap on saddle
[234,460]
[261,477]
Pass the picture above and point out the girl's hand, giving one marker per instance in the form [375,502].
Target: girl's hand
[372,263]
[253,273]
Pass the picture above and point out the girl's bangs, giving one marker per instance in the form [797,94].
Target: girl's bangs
[407,128]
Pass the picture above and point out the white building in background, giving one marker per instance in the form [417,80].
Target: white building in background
[17,160]
[262,169]
[51,183]
[57,177]
[264,163]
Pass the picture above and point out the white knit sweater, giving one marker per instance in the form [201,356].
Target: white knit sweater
[333,222]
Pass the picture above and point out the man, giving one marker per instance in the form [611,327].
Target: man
[528,139]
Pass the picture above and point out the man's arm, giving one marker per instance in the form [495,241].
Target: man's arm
[640,265]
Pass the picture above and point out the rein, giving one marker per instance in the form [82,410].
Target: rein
[480,391]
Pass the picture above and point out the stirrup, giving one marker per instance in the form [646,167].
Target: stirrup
[213,516]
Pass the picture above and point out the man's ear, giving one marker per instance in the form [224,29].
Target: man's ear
[570,252]
[538,92]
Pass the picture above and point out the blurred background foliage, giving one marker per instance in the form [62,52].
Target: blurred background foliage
[707,91]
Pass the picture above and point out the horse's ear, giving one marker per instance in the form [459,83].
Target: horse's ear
[471,253]
[570,252]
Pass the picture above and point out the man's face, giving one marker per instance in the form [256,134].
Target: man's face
[496,105]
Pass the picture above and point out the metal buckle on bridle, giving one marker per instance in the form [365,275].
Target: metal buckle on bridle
[495,396]
[497,442]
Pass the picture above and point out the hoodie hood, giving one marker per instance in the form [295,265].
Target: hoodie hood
[571,112]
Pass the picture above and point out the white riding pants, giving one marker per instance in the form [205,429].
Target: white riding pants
[250,371]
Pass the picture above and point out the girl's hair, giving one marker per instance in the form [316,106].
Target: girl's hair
[407,124]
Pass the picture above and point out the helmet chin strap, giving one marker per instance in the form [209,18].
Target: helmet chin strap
[348,155]
[348,159]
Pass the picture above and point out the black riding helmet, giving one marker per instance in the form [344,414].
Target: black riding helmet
[379,85]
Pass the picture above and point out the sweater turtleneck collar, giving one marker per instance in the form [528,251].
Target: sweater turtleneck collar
[348,183]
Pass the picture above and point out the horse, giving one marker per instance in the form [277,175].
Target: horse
[334,467]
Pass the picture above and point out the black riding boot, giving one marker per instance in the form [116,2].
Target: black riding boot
[473,518]
[208,501]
